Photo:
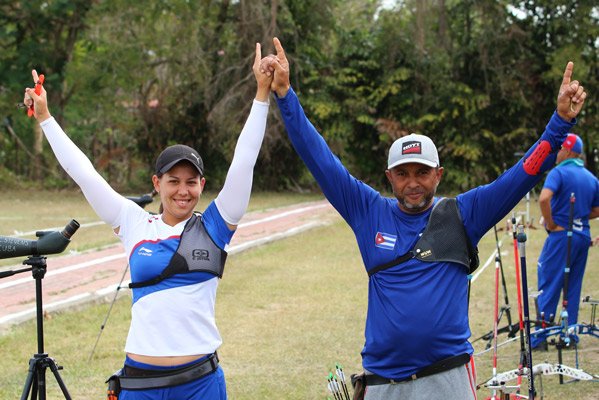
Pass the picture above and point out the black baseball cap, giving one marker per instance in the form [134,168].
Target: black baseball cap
[177,153]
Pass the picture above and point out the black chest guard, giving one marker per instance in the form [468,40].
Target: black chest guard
[444,239]
[196,252]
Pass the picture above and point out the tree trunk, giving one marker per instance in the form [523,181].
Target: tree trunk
[272,28]
[420,25]
[443,31]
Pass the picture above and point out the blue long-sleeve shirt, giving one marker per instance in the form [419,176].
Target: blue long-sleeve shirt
[417,311]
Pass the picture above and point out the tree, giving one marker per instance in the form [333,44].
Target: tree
[479,77]
[40,35]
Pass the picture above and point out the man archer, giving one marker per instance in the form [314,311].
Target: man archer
[418,249]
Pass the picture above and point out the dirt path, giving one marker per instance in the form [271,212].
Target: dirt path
[78,279]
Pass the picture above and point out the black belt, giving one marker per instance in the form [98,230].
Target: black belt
[440,366]
[137,378]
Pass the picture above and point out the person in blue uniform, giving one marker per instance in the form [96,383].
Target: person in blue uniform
[417,248]
[567,178]
[176,257]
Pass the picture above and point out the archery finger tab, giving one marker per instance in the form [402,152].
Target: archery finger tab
[38,85]
[30,101]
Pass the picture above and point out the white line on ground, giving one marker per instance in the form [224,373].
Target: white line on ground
[481,269]
[282,215]
[115,257]
[258,221]
[65,270]
[30,313]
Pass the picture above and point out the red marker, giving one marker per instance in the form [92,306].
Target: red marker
[38,91]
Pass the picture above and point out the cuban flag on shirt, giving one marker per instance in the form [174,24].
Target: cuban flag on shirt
[385,240]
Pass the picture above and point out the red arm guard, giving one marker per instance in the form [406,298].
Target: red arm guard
[533,163]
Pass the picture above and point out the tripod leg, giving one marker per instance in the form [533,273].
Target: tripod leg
[39,387]
[41,382]
[36,378]
[63,388]
[30,382]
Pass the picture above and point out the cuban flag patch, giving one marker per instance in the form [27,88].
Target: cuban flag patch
[385,240]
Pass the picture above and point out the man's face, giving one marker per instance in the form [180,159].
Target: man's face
[414,185]
[562,154]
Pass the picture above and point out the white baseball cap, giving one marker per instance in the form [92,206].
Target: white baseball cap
[413,148]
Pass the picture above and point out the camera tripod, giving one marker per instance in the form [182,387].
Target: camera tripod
[36,378]
[49,242]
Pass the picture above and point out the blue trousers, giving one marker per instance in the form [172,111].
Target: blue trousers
[551,271]
[209,387]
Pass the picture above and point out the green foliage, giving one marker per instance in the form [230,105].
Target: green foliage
[126,79]
[8,178]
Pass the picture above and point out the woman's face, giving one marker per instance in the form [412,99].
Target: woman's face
[180,189]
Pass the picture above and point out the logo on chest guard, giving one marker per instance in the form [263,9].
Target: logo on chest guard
[200,255]
[426,253]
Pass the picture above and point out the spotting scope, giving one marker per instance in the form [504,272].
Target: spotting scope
[49,242]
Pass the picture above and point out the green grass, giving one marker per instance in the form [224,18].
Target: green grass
[481,318]
[29,211]
[287,311]
[482,306]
